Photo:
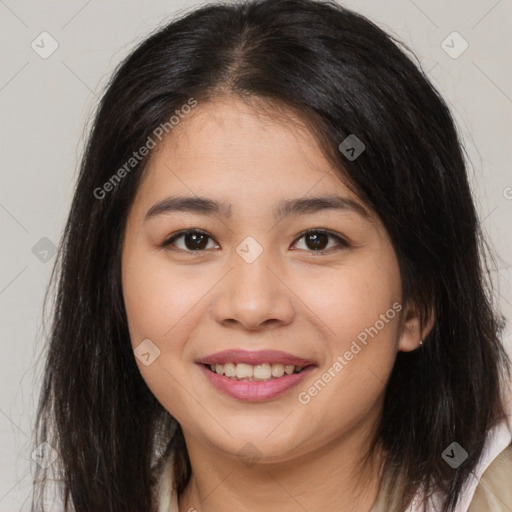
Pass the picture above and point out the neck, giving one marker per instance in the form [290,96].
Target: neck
[330,478]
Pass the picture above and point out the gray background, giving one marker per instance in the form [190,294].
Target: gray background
[46,107]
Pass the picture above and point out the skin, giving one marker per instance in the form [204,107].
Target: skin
[291,298]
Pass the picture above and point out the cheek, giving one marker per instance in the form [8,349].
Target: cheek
[159,307]
[351,299]
[159,303]
[358,309]
[164,306]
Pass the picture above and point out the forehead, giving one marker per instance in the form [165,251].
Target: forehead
[242,154]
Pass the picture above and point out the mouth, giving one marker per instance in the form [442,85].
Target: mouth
[254,376]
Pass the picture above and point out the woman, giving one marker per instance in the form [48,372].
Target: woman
[207,351]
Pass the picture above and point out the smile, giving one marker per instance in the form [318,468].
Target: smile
[256,376]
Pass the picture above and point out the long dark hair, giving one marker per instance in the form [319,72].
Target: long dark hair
[344,76]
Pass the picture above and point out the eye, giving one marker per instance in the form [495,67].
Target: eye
[316,240]
[197,240]
[193,239]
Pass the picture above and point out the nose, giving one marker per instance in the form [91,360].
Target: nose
[253,296]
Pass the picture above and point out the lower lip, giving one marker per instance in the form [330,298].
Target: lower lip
[255,391]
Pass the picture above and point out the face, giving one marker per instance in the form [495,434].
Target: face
[263,284]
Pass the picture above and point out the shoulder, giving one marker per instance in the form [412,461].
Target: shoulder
[494,490]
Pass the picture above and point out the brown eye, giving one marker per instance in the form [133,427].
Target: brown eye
[318,241]
[193,240]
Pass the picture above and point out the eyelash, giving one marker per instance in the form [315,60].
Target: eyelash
[341,241]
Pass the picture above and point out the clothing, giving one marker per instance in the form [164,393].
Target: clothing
[495,489]
[166,495]
[489,490]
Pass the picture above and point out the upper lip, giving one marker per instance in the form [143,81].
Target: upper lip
[254,357]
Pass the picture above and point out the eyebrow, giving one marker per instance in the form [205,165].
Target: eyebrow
[286,207]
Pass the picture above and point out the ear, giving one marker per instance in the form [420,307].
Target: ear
[412,331]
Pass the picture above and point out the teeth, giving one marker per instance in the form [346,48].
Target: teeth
[243,370]
[229,370]
[277,370]
[259,372]
[262,371]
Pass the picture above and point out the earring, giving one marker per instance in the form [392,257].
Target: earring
[421,342]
